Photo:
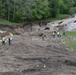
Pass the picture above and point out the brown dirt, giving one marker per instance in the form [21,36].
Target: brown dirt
[30,55]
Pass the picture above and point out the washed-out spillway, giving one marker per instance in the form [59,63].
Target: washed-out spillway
[70,26]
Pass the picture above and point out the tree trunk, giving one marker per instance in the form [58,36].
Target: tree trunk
[8,10]
[0,8]
[14,11]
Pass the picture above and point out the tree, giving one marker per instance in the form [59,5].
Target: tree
[0,8]
[54,6]
[41,10]
[20,10]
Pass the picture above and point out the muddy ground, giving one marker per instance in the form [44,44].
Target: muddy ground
[31,55]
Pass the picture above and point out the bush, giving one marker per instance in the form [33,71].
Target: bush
[18,17]
[72,10]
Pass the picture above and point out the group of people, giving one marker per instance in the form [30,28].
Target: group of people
[58,34]
[55,34]
[4,40]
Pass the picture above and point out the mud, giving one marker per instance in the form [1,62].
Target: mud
[31,55]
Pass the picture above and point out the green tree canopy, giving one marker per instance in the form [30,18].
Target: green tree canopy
[24,10]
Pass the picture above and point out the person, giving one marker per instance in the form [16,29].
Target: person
[43,37]
[10,41]
[3,40]
[55,32]
[58,34]
[63,33]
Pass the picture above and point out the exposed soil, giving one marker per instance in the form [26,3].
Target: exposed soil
[31,55]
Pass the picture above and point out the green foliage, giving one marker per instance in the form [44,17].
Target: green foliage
[18,17]
[63,7]
[72,10]
[6,22]
[54,5]
[24,10]
[41,10]
[71,33]
[58,17]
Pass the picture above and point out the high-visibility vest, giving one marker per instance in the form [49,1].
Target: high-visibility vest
[3,39]
[53,33]
[58,33]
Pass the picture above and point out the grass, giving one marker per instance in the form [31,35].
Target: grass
[6,22]
[62,16]
[71,42]
[71,33]
[58,17]
[71,45]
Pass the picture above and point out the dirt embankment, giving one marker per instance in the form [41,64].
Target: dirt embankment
[26,27]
